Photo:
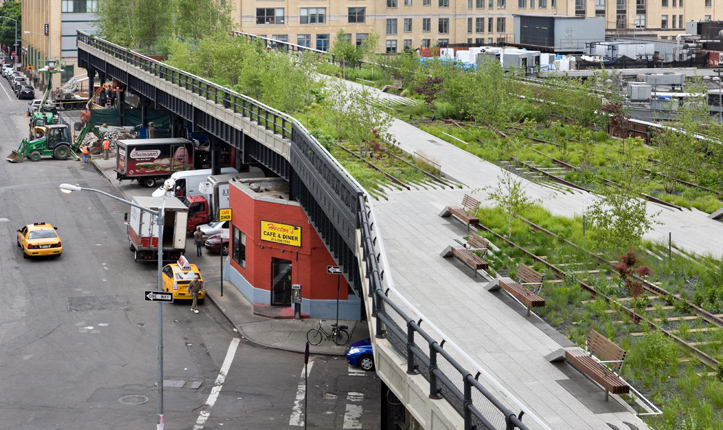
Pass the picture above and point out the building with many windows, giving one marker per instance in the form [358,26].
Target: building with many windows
[52,25]
[420,23]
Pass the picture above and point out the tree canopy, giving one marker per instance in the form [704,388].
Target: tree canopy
[10,9]
[147,24]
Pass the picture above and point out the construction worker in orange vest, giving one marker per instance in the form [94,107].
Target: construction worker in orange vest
[86,153]
[106,149]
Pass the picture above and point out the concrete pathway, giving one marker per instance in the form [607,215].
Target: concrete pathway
[489,327]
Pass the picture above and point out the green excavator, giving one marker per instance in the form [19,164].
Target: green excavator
[56,142]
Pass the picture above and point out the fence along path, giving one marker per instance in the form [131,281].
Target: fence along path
[476,405]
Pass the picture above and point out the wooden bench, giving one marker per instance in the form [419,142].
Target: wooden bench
[464,253]
[527,277]
[605,352]
[476,242]
[396,87]
[468,204]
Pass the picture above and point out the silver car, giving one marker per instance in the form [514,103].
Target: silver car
[212,228]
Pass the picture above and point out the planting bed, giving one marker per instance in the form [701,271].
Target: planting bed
[673,348]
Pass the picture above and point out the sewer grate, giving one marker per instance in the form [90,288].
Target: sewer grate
[99,303]
[133,399]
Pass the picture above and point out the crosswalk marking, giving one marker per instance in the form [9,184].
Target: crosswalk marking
[353,371]
[297,412]
[353,412]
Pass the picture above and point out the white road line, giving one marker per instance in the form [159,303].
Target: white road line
[298,411]
[6,93]
[353,412]
[216,390]
[353,371]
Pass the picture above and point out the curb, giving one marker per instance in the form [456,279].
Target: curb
[246,337]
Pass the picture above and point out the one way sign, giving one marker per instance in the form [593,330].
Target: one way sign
[155,296]
[333,270]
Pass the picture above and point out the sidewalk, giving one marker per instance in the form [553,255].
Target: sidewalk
[282,334]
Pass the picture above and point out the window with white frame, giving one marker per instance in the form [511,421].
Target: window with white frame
[269,15]
[312,15]
[391,46]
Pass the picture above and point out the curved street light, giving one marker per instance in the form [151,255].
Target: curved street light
[67,189]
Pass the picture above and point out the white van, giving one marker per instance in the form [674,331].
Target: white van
[189,181]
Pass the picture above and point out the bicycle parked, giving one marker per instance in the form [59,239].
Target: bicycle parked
[338,334]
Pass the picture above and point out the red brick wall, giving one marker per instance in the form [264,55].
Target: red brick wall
[313,256]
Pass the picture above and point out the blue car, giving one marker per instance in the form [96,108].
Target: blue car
[360,354]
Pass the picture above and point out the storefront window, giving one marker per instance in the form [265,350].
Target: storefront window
[239,247]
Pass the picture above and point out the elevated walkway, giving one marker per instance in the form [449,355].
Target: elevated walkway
[439,396]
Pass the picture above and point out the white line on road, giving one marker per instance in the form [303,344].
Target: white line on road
[353,412]
[297,412]
[356,372]
[216,390]
[6,93]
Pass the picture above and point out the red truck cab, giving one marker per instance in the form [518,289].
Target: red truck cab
[198,211]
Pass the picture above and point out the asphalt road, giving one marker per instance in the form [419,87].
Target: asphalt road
[78,344]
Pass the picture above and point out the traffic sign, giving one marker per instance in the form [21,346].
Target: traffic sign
[155,296]
[224,214]
[333,270]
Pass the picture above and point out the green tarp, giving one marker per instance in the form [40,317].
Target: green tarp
[133,117]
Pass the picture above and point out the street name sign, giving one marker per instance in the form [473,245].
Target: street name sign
[156,296]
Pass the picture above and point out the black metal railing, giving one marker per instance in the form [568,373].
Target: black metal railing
[331,185]
[425,359]
[265,116]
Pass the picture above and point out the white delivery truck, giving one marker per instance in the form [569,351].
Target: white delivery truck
[215,189]
[189,181]
[143,229]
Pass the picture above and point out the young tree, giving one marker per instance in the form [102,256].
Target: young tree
[429,90]
[510,196]
[199,18]
[344,52]
[620,217]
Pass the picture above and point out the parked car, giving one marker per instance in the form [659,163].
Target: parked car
[12,74]
[212,228]
[26,92]
[213,243]
[35,104]
[360,354]
[19,82]
[177,276]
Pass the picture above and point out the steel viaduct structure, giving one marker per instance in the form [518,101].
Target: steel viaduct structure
[437,392]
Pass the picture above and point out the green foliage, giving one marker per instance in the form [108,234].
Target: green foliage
[145,23]
[510,196]
[10,9]
[344,52]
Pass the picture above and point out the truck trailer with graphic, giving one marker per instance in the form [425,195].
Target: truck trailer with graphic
[151,160]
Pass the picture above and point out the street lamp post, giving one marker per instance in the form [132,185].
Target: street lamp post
[16,37]
[67,188]
[50,74]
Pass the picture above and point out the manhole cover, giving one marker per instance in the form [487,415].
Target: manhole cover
[133,399]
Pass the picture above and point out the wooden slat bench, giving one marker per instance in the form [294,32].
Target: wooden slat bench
[527,277]
[606,352]
[475,242]
[463,212]
[397,86]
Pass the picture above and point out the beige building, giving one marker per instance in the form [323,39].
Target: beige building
[418,23]
[62,18]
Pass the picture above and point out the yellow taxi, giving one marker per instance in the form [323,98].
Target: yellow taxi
[177,276]
[39,239]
